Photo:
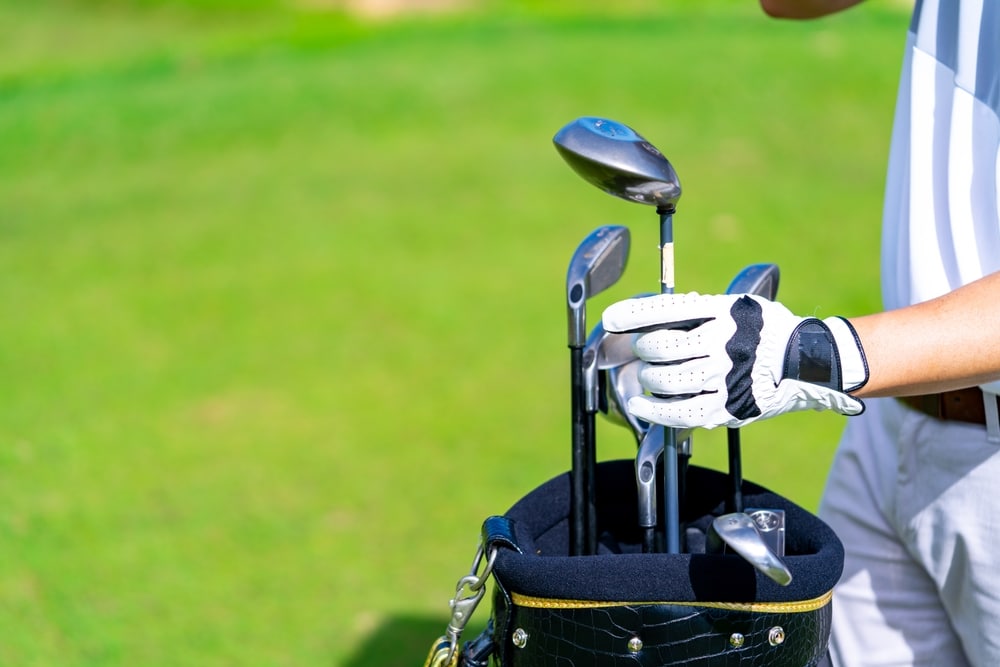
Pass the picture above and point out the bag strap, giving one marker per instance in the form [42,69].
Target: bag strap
[498,531]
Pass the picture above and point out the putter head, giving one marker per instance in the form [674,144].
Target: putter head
[597,264]
[616,159]
[737,531]
[758,279]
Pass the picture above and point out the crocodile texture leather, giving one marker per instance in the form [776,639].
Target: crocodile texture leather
[670,636]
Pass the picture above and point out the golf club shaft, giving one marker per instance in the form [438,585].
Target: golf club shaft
[591,382]
[649,545]
[578,487]
[735,471]
[683,461]
[590,483]
[671,499]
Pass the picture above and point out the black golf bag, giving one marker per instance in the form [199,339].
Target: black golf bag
[625,607]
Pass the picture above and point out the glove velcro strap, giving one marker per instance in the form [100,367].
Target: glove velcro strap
[853,363]
[811,356]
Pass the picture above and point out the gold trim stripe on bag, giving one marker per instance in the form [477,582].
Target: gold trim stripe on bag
[799,607]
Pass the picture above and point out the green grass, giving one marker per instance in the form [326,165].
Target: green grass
[284,294]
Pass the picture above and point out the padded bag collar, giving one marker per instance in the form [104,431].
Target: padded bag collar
[534,560]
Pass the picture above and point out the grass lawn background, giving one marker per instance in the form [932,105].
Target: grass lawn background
[284,293]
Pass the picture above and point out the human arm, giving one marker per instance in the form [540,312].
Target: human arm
[804,9]
[950,342]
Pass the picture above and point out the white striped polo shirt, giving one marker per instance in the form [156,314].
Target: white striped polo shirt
[941,225]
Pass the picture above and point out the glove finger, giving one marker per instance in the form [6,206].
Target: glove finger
[696,411]
[667,345]
[678,311]
[679,379]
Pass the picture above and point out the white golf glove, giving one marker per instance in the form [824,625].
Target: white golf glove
[730,360]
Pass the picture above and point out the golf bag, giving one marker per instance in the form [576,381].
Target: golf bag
[625,607]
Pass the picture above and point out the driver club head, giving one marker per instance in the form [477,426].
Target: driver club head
[616,159]
[597,264]
[737,531]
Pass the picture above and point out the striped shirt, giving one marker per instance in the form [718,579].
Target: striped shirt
[941,224]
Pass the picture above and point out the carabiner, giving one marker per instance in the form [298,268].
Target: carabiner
[463,605]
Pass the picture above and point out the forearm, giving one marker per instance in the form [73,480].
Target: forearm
[804,9]
[946,343]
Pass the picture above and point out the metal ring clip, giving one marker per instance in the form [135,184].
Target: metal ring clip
[468,592]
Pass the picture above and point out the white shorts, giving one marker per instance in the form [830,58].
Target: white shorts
[916,502]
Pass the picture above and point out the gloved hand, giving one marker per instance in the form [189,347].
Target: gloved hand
[734,359]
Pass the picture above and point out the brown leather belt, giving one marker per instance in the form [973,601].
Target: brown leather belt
[961,405]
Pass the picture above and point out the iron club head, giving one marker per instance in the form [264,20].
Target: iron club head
[602,351]
[738,532]
[597,264]
[622,383]
[611,349]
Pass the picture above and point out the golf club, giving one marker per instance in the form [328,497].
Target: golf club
[597,263]
[616,159]
[761,280]
[602,350]
[738,532]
